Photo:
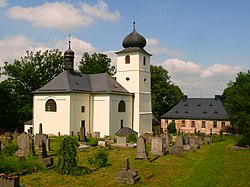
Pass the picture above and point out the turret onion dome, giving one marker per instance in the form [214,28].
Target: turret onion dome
[69,52]
[134,39]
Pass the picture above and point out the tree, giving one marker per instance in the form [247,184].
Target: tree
[67,156]
[237,103]
[96,63]
[25,76]
[164,93]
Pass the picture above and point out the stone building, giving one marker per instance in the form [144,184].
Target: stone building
[191,115]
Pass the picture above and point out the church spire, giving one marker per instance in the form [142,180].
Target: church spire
[69,56]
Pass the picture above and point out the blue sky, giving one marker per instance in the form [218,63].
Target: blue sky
[203,44]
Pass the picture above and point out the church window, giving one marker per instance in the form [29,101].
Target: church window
[127,79]
[121,123]
[127,59]
[144,60]
[83,109]
[50,105]
[121,106]
[145,80]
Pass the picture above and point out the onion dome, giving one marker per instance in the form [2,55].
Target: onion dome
[134,39]
[69,56]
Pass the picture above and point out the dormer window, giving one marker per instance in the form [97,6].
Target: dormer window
[127,59]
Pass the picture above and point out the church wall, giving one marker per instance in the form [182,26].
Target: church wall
[52,122]
[101,114]
[116,117]
[80,112]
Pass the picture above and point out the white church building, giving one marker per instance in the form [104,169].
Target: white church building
[98,102]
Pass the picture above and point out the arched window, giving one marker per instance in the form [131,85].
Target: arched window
[144,60]
[121,106]
[127,59]
[50,105]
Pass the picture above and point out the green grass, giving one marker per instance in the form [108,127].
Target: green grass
[212,165]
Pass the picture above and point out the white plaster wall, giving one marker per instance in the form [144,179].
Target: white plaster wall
[116,117]
[77,100]
[52,122]
[145,122]
[101,114]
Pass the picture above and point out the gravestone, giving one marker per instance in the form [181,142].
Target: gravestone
[186,140]
[15,135]
[165,140]
[179,141]
[0,145]
[148,137]
[121,141]
[82,134]
[40,128]
[176,150]
[9,180]
[157,146]
[187,147]
[42,137]
[23,141]
[141,149]
[7,135]
[59,134]
[42,150]
[127,175]
[96,135]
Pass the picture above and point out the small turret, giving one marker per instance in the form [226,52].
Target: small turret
[69,56]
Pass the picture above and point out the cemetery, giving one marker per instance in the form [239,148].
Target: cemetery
[159,160]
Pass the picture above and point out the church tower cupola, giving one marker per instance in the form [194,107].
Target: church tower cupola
[134,39]
[69,56]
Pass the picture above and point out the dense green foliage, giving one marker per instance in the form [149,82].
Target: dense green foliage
[96,63]
[10,164]
[237,103]
[23,77]
[67,155]
[9,149]
[164,93]
[244,140]
[171,127]
[131,138]
[99,159]
[92,141]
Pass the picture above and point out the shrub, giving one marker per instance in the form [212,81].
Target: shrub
[9,150]
[131,138]
[244,140]
[100,159]
[67,156]
[13,164]
[172,128]
[92,142]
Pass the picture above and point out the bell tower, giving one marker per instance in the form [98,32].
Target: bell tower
[133,72]
[69,56]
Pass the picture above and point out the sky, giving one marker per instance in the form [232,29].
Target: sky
[202,44]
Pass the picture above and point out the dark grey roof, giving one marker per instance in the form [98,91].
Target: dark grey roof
[134,39]
[126,50]
[198,108]
[125,131]
[69,81]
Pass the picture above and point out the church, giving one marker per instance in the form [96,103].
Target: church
[98,102]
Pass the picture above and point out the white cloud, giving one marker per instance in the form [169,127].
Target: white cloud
[63,16]
[20,44]
[155,47]
[220,70]
[57,15]
[3,3]
[100,11]
[197,82]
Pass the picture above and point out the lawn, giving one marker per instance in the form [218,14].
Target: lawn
[212,165]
